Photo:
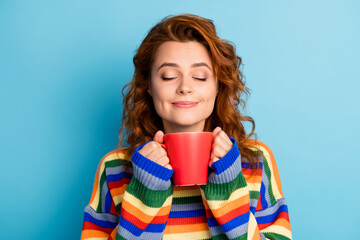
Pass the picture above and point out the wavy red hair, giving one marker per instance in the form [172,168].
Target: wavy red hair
[139,116]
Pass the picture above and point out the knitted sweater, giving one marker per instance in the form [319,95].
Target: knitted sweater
[134,198]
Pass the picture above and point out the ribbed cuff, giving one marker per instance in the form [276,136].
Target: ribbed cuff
[228,160]
[149,166]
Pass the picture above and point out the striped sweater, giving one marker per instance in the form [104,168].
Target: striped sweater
[134,198]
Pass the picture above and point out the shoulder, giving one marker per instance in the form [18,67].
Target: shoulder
[114,158]
[269,163]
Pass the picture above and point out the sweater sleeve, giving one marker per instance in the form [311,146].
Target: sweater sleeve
[129,204]
[228,203]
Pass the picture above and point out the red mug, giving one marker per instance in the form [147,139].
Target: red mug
[189,155]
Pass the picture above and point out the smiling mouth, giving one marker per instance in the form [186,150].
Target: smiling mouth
[185,105]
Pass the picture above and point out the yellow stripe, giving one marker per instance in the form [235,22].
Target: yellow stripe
[279,230]
[118,199]
[254,186]
[144,208]
[186,193]
[215,204]
[118,155]
[253,230]
[190,236]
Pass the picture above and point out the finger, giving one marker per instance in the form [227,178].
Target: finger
[159,136]
[162,160]
[225,138]
[222,140]
[157,153]
[148,148]
[168,166]
[217,153]
[216,131]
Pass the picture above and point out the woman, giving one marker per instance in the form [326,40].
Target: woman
[186,80]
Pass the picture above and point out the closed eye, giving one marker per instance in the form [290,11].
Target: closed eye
[165,78]
[201,79]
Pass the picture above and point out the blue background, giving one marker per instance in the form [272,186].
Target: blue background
[63,65]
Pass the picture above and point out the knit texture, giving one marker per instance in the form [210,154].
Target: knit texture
[134,198]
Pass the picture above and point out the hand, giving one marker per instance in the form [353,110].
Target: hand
[155,152]
[221,145]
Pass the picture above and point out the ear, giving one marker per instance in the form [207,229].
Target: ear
[149,91]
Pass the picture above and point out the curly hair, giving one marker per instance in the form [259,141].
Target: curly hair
[139,116]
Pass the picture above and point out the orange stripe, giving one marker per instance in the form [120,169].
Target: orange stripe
[113,234]
[93,234]
[233,214]
[242,201]
[144,217]
[186,228]
[256,234]
[119,190]
[253,178]
[272,159]
[282,216]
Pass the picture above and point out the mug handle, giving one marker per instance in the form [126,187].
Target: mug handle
[163,146]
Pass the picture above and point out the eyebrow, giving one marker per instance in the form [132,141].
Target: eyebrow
[201,64]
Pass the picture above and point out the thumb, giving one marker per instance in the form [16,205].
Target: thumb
[159,136]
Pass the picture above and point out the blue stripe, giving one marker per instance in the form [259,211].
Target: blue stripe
[108,202]
[117,177]
[235,222]
[212,222]
[253,209]
[262,192]
[272,217]
[185,214]
[130,227]
[248,166]
[155,228]
[100,223]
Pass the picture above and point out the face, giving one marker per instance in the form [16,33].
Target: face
[183,86]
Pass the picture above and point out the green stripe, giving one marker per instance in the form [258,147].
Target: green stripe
[224,237]
[186,200]
[242,237]
[220,237]
[268,174]
[117,163]
[118,207]
[151,198]
[118,237]
[254,194]
[223,191]
[275,236]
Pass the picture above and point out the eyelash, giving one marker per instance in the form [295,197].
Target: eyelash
[201,79]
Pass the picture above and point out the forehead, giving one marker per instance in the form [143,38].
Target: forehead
[182,51]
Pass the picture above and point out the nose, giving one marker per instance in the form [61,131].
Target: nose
[184,87]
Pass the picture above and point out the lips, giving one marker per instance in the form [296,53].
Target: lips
[185,104]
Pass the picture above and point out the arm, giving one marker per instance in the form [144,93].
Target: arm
[272,212]
[227,200]
[144,202]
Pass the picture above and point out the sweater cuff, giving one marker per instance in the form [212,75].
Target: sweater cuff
[228,160]
[145,169]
